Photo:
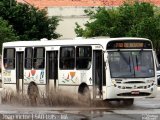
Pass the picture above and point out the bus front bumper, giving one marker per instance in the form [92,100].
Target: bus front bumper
[115,92]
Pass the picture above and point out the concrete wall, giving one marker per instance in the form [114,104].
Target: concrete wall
[69,16]
[67,26]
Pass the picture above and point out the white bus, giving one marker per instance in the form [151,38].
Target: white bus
[107,68]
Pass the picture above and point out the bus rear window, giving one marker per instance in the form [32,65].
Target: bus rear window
[9,58]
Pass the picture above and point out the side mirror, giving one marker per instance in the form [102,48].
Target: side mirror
[158,67]
[158,75]
[158,80]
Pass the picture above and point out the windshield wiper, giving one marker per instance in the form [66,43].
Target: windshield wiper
[124,58]
[127,75]
[136,61]
[130,64]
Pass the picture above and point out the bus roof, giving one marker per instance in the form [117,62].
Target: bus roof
[76,41]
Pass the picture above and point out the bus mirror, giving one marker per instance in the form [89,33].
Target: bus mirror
[158,67]
[158,80]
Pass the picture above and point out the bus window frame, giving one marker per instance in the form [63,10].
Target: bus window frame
[35,58]
[73,58]
[89,61]
[5,58]
[26,58]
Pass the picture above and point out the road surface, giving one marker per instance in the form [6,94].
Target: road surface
[142,109]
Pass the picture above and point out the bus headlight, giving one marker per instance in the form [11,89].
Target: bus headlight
[149,81]
[114,82]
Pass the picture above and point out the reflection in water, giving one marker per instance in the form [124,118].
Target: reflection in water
[90,114]
[87,118]
[99,112]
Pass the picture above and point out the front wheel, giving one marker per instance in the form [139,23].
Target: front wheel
[84,95]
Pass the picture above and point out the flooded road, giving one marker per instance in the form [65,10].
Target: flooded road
[142,109]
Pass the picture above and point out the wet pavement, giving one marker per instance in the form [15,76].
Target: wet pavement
[142,109]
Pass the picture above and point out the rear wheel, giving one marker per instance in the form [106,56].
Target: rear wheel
[33,94]
[84,95]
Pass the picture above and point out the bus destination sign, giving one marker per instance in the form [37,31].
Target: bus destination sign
[129,45]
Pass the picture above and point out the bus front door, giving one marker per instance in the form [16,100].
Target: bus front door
[19,71]
[97,74]
[52,70]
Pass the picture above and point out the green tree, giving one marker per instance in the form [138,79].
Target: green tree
[7,33]
[138,19]
[29,22]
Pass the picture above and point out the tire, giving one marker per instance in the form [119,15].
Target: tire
[33,94]
[84,96]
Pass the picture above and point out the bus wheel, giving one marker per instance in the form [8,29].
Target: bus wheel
[84,95]
[128,101]
[33,94]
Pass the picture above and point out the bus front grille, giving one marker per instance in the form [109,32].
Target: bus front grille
[134,82]
[130,94]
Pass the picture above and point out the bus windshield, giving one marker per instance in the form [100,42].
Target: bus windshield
[131,64]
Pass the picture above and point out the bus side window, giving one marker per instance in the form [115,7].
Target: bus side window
[28,57]
[67,57]
[39,54]
[83,57]
[9,58]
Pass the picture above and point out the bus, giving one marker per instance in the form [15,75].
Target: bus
[97,68]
